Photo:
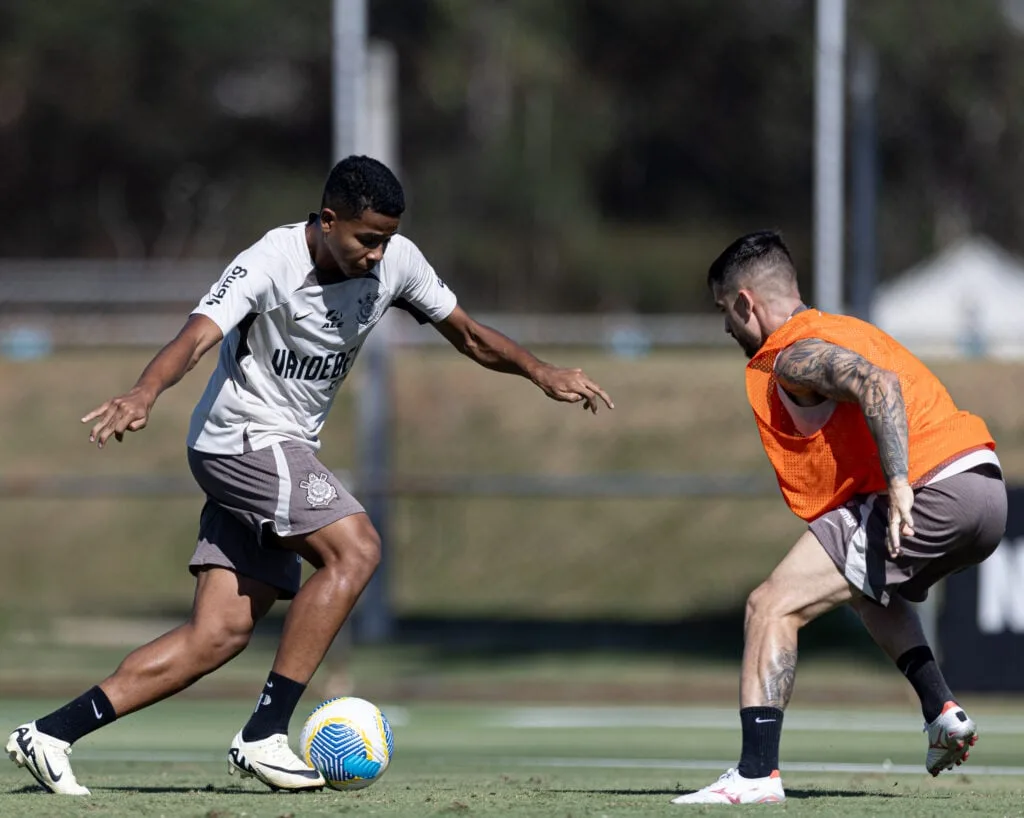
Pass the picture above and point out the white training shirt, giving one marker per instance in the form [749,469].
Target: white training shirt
[289,341]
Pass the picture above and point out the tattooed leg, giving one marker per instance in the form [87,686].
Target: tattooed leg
[805,585]
[769,661]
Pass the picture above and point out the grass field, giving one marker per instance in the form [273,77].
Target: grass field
[533,761]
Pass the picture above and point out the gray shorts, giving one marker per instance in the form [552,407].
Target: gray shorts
[255,498]
[958,522]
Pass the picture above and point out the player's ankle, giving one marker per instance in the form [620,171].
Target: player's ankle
[79,717]
[274,708]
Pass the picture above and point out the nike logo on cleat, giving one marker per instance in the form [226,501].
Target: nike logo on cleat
[49,769]
[31,762]
[305,772]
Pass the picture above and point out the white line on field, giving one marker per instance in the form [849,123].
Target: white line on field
[151,756]
[787,766]
[722,718]
[183,757]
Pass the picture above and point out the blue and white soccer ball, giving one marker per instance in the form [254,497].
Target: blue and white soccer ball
[349,741]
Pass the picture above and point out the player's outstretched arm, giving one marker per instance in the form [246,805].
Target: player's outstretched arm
[813,366]
[491,349]
[130,412]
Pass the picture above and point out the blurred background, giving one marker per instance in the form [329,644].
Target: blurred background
[571,169]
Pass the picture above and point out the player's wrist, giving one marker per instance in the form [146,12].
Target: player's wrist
[148,392]
[535,369]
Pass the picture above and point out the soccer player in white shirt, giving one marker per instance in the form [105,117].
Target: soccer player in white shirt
[293,312]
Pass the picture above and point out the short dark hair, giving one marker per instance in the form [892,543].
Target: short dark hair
[359,183]
[763,250]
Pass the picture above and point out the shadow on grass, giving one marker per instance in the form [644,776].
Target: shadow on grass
[800,794]
[35,789]
[612,791]
[170,790]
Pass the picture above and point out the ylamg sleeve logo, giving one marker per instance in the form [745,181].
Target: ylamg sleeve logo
[319,491]
[221,287]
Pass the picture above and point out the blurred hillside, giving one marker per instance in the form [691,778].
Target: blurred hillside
[575,155]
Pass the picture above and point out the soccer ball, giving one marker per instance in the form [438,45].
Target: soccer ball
[349,741]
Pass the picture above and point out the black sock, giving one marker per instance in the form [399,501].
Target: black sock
[274,708]
[90,711]
[762,732]
[922,671]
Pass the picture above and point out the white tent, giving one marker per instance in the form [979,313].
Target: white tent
[967,300]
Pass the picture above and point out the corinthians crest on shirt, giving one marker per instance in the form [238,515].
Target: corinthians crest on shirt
[370,308]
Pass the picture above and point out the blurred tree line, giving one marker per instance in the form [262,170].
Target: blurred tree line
[569,155]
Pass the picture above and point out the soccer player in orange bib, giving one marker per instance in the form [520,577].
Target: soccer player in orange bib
[899,489]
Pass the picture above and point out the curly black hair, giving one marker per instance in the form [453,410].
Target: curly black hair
[359,183]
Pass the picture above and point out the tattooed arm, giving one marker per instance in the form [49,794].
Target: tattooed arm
[814,367]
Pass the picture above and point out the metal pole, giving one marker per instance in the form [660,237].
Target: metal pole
[374,621]
[364,105]
[375,400]
[348,68]
[864,181]
[828,156]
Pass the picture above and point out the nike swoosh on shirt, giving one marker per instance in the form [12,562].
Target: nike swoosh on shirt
[300,315]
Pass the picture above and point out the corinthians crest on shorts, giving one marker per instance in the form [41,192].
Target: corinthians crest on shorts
[319,491]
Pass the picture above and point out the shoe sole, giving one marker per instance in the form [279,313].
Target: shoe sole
[768,799]
[956,755]
[234,769]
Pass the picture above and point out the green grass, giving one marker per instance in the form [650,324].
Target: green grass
[474,761]
[29,665]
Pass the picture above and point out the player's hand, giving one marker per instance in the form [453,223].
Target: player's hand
[901,522]
[127,413]
[571,386]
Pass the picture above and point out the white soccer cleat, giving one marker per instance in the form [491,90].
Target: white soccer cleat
[46,758]
[950,738]
[272,761]
[733,788]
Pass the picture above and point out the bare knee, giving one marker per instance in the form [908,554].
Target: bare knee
[220,640]
[759,604]
[767,604]
[355,555]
